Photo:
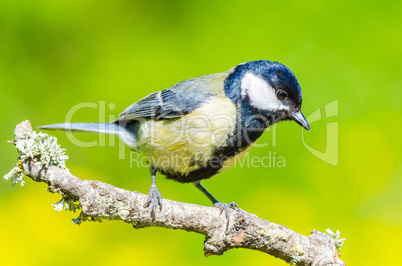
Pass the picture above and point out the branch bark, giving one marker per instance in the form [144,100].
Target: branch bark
[98,200]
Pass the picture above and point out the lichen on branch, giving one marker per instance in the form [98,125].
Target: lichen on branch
[42,159]
[39,147]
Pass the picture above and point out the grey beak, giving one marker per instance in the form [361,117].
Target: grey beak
[299,118]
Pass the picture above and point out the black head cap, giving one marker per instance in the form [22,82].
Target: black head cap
[279,76]
[283,98]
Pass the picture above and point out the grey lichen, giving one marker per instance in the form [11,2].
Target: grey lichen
[338,242]
[16,174]
[38,146]
[275,235]
[296,257]
[66,203]
[43,147]
[44,151]
[297,253]
[82,218]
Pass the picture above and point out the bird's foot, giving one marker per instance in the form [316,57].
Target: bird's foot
[154,197]
[226,207]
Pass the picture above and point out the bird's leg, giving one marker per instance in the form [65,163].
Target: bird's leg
[154,196]
[216,203]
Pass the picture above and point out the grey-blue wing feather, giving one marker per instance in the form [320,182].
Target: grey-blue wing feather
[164,104]
[146,107]
[178,100]
[176,104]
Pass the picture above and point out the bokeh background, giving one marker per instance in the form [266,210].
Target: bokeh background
[57,54]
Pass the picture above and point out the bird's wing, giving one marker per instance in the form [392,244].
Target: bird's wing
[163,105]
[178,100]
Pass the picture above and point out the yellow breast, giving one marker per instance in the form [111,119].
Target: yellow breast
[187,143]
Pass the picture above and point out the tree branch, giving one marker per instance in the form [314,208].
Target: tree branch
[98,200]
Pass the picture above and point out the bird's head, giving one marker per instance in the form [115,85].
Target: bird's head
[271,89]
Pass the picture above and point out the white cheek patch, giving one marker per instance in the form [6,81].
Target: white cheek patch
[260,93]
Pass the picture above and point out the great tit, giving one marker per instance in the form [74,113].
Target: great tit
[200,127]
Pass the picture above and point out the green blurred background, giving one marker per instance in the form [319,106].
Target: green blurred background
[56,54]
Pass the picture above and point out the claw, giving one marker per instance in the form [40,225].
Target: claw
[154,197]
[226,207]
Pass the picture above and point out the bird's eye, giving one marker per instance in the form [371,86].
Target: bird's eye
[281,94]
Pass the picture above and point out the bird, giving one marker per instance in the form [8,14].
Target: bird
[200,127]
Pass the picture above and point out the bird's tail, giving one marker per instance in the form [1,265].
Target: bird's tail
[106,128]
[126,134]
